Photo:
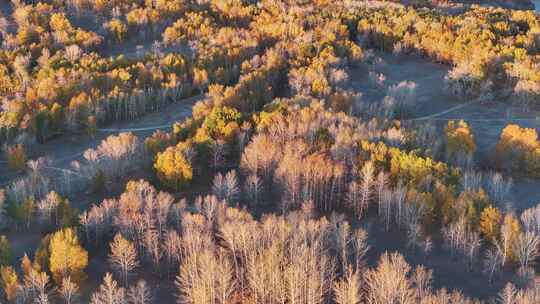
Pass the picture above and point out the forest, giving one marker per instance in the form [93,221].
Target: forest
[269,151]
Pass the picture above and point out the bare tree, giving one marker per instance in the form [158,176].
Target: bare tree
[499,187]
[347,289]
[471,181]
[153,249]
[353,197]
[492,263]
[265,275]
[68,290]
[428,246]
[211,208]
[389,282]
[232,187]
[114,156]
[260,157]
[386,207]
[508,295]
[253,188]
[504,243]
[414,237]
[139,294]
[403,95]
[382,183]
[442,296]
[171,247]
[461,239]
[400,193]
[511,295]
[109,292]
[238,236]
[4,24]
[48,205]
[219,148]
[99,219]
[526,277]
[213,285]
[366,187]
[454,236]
[176,212]
[226,187]
[472,246]
[37,285]
[226,282]
[526,248]
[73,52]
[531,219]
[42,299]
[342,240]
[218,186]
[162,209]
[289,174]
[360,248]
[123,257]
[422,279]
[309,274]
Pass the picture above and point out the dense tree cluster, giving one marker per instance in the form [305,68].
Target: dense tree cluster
[218,253]
[488,47]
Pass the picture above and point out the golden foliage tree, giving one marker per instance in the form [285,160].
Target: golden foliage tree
[490,223]
[9,282]
[519,148]
[67,256]
[117,28]
[172,168]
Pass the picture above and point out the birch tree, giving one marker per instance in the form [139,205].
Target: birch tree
[347,290]
[389,282]
[139,294]
[526,249]
[68,290]
[109,292]
[123,257]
